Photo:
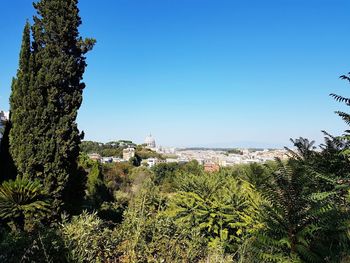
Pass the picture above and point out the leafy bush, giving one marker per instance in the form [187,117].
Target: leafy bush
[150,236]
[42,245]
[223,208]
[89,239]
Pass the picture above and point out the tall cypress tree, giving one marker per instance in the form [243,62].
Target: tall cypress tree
[60,63]
[57,63]
[20,132]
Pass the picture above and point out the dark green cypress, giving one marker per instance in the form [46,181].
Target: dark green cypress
[56,65]
[20,132]
[60,64]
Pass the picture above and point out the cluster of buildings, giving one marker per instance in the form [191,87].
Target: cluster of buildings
[224,159]
[150,143]
[212,160]
[129,152]
[98,157]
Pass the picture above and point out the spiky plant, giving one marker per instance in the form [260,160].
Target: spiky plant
[221,207]
[345,116]
[304,149]
[287,218]
[302,220]
[22,200]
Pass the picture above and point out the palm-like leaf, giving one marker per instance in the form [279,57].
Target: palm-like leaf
[304,149]
[299,215]
[343,115]
[221,207]
[21,199]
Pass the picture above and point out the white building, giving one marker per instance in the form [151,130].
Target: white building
[95,156]
[4,116]
[117,160]
[152,162]
[107,160]
[128,153]
[150,142]
[171,160]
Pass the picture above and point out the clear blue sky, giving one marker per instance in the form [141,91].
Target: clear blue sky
[204,72]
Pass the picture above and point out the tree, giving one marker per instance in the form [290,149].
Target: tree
[300,218]
[150,236]
[165,173]
[97,191]
[45,138]
[135,161]
[345,116]
[306,213]
[192,167]
[223,208]
[286,216]
[342,142]
[21,132]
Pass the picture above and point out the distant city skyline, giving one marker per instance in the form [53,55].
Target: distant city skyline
[204,73]
[222,145]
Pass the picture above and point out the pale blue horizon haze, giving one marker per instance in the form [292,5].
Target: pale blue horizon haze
[213,73]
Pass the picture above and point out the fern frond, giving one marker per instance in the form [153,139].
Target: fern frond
[340,98]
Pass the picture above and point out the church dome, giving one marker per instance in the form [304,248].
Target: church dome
[150,141]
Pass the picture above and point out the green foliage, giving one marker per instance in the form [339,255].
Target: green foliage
[343,141]
[345,116]
[235,151]
[89,239]
[113,211]
[287,217]
[97,192]
[136,160]
[284,211]
[116,176]
[192,167]
[85,162]
[42,245]
[257,174]
[21,101]
[95,179]
[145,153]
[149,236]
[46,95]
[23,201]
[104,149]
[165,174]
[301,221]
[223,208]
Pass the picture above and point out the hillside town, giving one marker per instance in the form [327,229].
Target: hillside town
[211,159]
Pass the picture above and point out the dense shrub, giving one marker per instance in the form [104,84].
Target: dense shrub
[89,239]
